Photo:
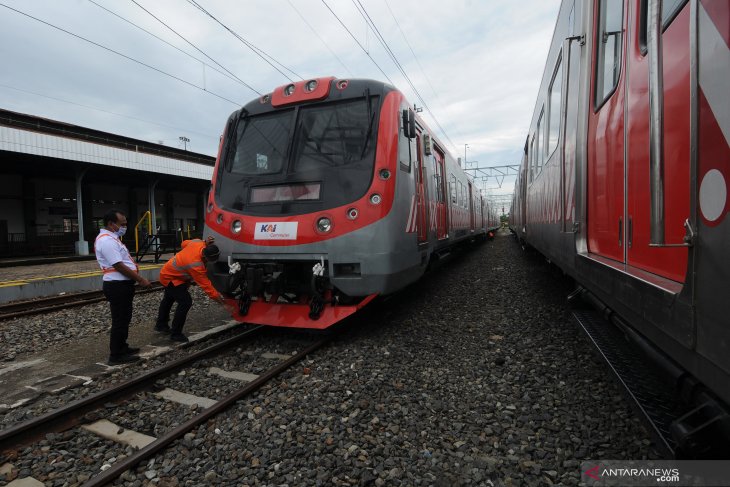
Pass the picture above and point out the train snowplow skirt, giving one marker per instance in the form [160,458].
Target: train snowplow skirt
[294,315]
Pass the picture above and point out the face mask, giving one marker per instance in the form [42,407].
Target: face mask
[121,231]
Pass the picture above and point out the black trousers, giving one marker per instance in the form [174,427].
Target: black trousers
[120,295]
[181,296]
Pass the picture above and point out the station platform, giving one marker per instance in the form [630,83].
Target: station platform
[38,277]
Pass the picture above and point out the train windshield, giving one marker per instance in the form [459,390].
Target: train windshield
[329,147]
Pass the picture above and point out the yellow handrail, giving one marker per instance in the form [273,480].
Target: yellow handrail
[147,215]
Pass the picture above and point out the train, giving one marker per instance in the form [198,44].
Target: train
[328,192]
[623,185]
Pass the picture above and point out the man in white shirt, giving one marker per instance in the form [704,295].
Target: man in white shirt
[120,274]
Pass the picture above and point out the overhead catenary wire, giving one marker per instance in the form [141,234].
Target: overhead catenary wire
[363,12]
[259,52]
[403,34]
[196,48]
[108,111]
[218,70]
[101,46]
[358,43]
[320,38]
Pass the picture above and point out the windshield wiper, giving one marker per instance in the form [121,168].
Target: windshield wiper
[371,113]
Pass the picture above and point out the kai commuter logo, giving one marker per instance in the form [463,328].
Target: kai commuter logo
[275,231]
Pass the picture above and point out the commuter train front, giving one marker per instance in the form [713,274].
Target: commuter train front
[315,202]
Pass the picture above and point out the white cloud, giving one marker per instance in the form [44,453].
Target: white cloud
[480,62]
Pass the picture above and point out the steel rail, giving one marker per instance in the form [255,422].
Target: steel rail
[70,415]
[131,461]
[55,303]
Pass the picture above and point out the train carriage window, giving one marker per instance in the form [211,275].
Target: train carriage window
[404,146]
[554,108]
[670,10]
[531,160]
[608,46]
[452,188]
[261,144]
[539,145]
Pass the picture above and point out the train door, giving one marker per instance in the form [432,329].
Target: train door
[606,134]
[571,68]
[669,262]
[440,197]
[471,207]
[421,215]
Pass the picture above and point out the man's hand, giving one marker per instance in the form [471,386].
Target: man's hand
[209,240]
[144,282]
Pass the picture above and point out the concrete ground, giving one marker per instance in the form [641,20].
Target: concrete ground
[75,363]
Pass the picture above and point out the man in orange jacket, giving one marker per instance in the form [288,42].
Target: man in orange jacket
[185,266]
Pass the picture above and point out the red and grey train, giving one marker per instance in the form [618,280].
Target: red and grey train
[624,185]
[328,192]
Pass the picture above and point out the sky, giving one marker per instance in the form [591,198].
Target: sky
[476,64]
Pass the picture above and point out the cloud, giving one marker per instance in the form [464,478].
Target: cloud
[478,64]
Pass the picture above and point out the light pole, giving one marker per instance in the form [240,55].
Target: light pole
[185,141]
[465,146]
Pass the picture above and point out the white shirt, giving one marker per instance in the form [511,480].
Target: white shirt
[109,250]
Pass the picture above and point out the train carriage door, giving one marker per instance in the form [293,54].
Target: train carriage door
[606,134]
[668,262]
[440,197]
[421,215]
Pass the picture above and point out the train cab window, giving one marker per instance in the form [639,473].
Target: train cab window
[608,47]
[335,135]
[554,108]
[261,143]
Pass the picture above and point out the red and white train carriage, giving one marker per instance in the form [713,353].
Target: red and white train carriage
[624,185]
[328,192]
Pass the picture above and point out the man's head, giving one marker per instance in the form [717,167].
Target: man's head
[114,220]
[211,253]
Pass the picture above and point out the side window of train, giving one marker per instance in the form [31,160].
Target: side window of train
[670,9]
[554,97]
[531,160]
[608,49]
[406,153]
[540,144]
[452,187]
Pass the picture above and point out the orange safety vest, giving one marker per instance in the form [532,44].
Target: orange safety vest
[187,265]
[109,270]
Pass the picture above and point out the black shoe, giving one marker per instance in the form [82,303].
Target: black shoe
[162,328]
[179,337]
[123,359]
[131,350]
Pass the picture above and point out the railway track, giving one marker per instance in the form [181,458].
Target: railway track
[75,418]
[55,303]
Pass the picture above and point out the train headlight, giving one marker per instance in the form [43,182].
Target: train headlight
[236,226]
[324,225]
[288,90]
[210,207]
[310,86]
[376,199]
[219,219]
[352,213]
[384,174]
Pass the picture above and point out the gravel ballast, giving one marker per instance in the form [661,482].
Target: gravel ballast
[476,375]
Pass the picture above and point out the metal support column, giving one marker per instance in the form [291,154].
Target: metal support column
[153,212]
[82,246]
